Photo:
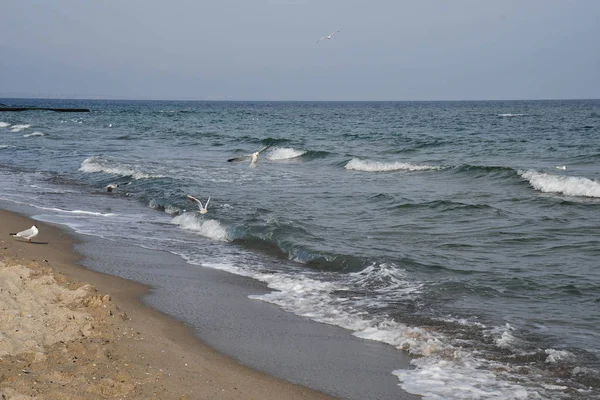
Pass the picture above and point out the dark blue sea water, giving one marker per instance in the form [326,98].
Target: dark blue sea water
[465,233]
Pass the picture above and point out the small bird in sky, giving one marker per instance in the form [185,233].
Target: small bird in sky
[203,208]
[328,36]
[27,233]
[252,157]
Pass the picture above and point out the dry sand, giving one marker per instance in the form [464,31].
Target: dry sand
[70,333]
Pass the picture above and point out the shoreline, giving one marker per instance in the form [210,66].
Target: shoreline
[132,350]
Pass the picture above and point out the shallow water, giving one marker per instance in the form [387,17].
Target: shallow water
[462,232]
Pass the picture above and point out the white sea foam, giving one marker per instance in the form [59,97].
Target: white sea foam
[506,340]
[567,185]
[19,128]
[4,124]
[284,153]
[5,146]
[357,164]
[460,376]
[99,164]
[36,133]
[442,370]
[556,355]
[209,228]
[510,115]
[83,212]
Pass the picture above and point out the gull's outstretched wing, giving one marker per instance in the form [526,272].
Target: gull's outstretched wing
[207,201]
[240,158]
[196,200]
[264,148]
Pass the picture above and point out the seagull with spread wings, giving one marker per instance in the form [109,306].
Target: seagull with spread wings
[203,208]
[328,36]
[252,157]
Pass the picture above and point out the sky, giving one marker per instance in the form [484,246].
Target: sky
[268,50]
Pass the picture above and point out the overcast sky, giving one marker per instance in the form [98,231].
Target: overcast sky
[267,50]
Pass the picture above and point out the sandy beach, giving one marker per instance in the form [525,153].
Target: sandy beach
[70,333]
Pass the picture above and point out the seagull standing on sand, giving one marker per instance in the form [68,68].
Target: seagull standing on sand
[328,36]
[203,208]
[252,157]
[27,233]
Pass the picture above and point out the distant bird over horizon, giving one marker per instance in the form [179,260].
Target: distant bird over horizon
[203,208]
[27,233]
[329,36]
[252,157]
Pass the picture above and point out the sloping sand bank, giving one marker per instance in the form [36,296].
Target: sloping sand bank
[70,333]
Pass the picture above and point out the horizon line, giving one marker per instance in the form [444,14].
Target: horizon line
[116,98]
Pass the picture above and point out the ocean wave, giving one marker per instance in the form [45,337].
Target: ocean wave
[284,153]
[99,164]
[566,185]
[4,124]
[209,228]
[357,164]
[36,133]
[19,128]
[442,370]
[510,115]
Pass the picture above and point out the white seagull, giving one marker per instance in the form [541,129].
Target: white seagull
[563,167]
[328,36]
[27,233]
[252,157]
[203,208]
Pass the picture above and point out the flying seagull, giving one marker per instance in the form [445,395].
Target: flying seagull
[27,233]
[203,208]
[252,157]
[563,167]
[329,36]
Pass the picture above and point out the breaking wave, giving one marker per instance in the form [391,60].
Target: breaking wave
[357,164]
[99,164]
[209,228]
[567,185]
[284,153]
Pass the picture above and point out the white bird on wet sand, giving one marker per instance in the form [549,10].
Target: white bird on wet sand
[203,208]
[328,36]
[252,157]
[27,233]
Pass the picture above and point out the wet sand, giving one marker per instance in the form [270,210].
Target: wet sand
[70,333]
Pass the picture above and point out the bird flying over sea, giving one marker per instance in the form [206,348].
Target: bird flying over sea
[203,208]
[27,233]
[252,157]
[328,36]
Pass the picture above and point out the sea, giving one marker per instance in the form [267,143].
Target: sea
[464,233]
